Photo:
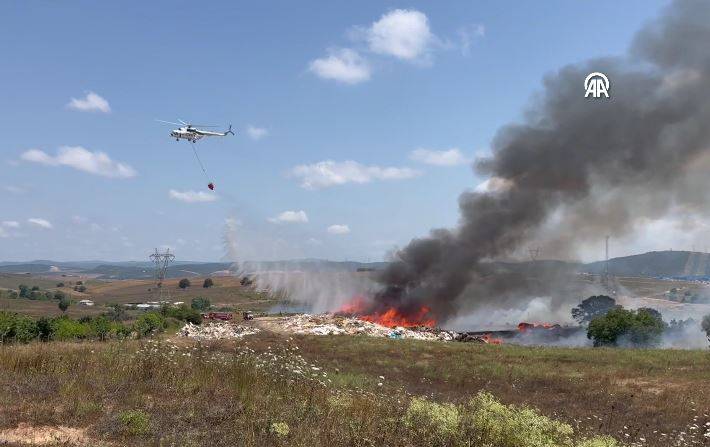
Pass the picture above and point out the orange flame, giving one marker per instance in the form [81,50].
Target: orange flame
[522,327]
[390,317]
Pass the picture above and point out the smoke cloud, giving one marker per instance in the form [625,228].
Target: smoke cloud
[576,168]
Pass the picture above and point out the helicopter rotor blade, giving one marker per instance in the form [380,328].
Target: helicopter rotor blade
[186,124]
[169,122]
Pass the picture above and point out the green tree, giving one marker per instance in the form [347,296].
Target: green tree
[621,326]
[208,283]
[63,304]
[200,304]
[184,283]
[149,323]
[116,312]
[60,284]
[24,291]
[101,326]
[59,295]
[706,325]
[593,307]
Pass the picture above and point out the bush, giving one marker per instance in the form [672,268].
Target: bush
[100,327]
[116,312]
[592,307]
[63,304]
[182,313]
[280,429]
[184,283]
[135,422]
[492,423]
[201,304]
[208,283]
[14,327]
[626,327]
[149,323]
[25,329]
[435,423]
[60,284]
[705,324]
[24,291]
[64,328]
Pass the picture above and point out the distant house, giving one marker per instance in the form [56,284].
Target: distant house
[86,303]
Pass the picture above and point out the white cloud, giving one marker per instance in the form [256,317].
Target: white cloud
[256,133]
[91,103]
[14,189]
[3,233]
[450,157]
[338,229]
[42,223]
[11,224]
[192,196]
[344,65]
[401,33]
[329,173]
[469,34]
[314,241]
[290,217]
[98,163]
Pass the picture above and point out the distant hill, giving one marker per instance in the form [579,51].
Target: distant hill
[656,263]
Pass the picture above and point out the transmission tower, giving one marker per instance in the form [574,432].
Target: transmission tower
[161,261]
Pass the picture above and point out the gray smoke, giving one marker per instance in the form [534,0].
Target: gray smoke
[590,166]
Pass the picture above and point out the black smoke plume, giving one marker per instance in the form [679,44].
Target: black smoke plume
[592,166]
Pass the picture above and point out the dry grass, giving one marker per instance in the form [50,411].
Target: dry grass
[327,390]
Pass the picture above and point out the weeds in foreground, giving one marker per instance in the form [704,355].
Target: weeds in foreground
[151,392]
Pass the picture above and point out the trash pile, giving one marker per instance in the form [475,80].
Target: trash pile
[331,324]
[216,331]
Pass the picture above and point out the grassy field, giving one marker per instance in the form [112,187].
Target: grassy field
[227,291]
[343,390]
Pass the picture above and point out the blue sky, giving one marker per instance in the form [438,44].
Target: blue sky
[338,95]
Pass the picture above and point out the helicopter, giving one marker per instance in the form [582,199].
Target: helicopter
[190,132]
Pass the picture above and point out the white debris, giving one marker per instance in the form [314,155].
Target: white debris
[216,331]
[330,324]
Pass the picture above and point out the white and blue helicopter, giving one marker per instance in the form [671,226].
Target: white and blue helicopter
[190,132]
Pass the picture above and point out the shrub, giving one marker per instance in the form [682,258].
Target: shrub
[135,422]
[101,327]
[592,307]
[24,291]
[200,304]
[59,295]
[208,283]
[621,326]
[25,329]
[64,328]
[14,327]
[182,313]
[60,284]
[184,283]
[149,323]
[63,304]
[433,422]
[490,422]
[706,325]
[280,429]
[116,312]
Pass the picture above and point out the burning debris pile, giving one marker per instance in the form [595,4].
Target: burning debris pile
[335,324]
[332,324]
[216,331]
